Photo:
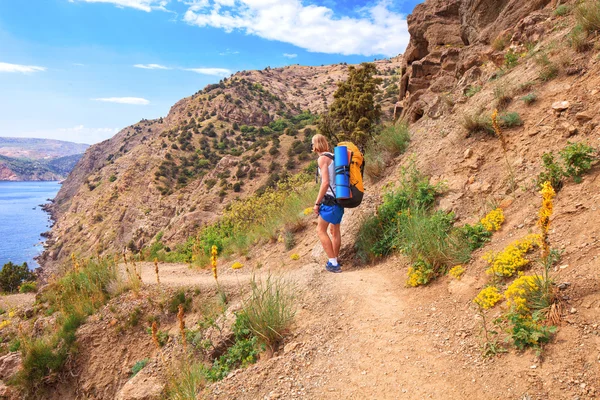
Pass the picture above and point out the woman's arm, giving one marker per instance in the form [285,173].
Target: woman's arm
[324,168]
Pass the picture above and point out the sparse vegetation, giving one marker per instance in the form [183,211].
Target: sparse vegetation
[477,123]
[529,98]
[138,366]
[577,159]
[472,90]
[510,120]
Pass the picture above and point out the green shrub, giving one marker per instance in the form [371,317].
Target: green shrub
[529,98]
[472,91]
[577,159]
[511,59]
[428,237]
[269,311]
[587,14]
[549,70]
[13,275]
[375,162]
[578,39]
[478,124]
[179,298]
[474,236]
[377,235]
[562,10]
[112,178]
[138,366]
[503,96]
[14,345]
[553,172]
[528,331]
[510,120]
[187,384]
[28,287]
[394,139]
[289,240]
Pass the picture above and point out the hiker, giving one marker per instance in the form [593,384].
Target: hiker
[326,207]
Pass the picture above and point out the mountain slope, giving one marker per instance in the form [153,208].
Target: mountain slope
[54,169]
[36,149]
[176,173]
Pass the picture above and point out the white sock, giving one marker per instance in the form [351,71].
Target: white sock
[333,261]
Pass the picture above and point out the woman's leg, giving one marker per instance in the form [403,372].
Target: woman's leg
[324,237]
[336,239]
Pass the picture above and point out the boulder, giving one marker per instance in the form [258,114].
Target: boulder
[143,386]
[10,364]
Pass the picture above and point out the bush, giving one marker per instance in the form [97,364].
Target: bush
[529,98]
[394,139]
[269,311]
[289,240]
[13,275]
[478,124]
[188,383]
[587,15]
[503,96]
[549,69]
[510,120]
[553,172]
[28,287]
[179,298]
[578,39]
[474,236]
[562,10]
[577,158]
[138,366]
[472,91]
[511,59]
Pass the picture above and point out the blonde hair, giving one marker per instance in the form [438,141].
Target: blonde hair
[320,143]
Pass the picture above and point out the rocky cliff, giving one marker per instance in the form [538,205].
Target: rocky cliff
[450,42]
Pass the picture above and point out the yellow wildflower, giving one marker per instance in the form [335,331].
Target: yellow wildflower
[419,274]
[519,291]
[507,262]
[457,272]
[488,297]
[295,257]
[213,260]
[308,211]
[493,220]
[237,265]
[545,213]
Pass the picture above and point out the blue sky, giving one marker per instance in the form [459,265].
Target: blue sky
[81,70]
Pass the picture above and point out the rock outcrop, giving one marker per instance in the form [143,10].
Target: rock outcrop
[450,42]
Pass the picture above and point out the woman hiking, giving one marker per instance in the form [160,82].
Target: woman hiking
[330,213]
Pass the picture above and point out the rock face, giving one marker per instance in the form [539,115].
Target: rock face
[9,365]
[450,41]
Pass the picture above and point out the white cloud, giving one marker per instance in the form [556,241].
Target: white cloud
[138,101]
[378,31]
[210,71]
[150,66]
[288,55]
[24,69]
[143,5]
[228,52]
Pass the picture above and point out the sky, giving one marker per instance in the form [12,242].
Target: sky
[81,70]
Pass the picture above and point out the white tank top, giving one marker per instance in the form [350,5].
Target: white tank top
[331,170]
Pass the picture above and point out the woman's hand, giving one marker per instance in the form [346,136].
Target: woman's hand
[316,209]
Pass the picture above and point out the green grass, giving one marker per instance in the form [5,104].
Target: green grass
[562,10]
[187,384]
[138,366]
[478,123]
[270,310]
[510,120]
[587,15]
[390,143]
[529,98]
[472,91]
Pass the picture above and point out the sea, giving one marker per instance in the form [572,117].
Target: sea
[22,220]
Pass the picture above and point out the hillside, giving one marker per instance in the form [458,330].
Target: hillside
[38,149]
[53,169]
[379,329]
[25,159]
[175,174]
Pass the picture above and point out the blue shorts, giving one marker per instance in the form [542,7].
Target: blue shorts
[332,214]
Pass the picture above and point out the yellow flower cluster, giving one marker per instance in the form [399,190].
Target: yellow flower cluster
[4,323]
[488,297]
[213,260]
[519,291]
[457,272]
[295,257]
[493,221]
[308,211]
[418,277]
[545,213]
[256,210]
[507,262]
[237,265]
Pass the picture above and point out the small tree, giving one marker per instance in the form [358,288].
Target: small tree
[12,275]
[353,113]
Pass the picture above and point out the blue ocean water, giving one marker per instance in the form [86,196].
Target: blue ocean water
[22,220]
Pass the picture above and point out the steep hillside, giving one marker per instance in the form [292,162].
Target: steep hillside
[52,169]
[174,174]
